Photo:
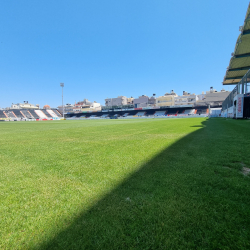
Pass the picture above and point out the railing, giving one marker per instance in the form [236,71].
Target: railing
[242,87]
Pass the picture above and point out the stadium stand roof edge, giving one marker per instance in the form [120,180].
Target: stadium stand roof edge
[240,61]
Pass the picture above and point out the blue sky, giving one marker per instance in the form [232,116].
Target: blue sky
[106,48]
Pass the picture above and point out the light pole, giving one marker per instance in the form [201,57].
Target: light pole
[62,85]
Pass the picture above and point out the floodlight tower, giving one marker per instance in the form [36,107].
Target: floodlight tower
[62,85]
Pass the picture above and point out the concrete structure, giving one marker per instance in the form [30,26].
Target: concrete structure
[95,106]
[216,98]
[141,101]
[118,101]
[24,105]
[81,106]
[201,97]
[85,102]
[185,99]
[46,107]
[212,97]
[152,100]
[130,101]
[67,108]
[166,100]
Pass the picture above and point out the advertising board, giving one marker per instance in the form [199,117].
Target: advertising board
[239,106]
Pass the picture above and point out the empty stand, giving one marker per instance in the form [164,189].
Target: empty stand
[189,111]
[40,114]
[2,115]
[10,114]
[33,113]
[160,113]
[201,111]
[18,113]
[172,113]
[52,113]
[142,113]
[57,112]
[27,114]
[47,113]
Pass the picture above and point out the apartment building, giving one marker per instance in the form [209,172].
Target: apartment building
[24,105]
[141,101]
[166,100]
[185,99]
[118,101]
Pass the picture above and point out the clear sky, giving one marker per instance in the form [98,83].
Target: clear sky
[106,48]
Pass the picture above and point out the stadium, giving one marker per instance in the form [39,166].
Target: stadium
[121,179]
[29,115]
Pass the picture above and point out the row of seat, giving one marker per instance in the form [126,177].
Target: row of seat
[30,114]
[146,113]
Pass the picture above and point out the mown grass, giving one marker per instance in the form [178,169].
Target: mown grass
[125,184]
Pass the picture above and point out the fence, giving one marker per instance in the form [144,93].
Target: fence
[242,87]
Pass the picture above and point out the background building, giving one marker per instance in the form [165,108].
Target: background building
[24,105]
[46,107]
[185,99]
[141,101]
[152,100]
[118,101]
[212,97]
[130,101]
[166,100]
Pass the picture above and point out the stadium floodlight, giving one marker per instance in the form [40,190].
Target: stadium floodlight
[62,85]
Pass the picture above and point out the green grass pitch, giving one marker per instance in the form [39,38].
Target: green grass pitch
[125,184]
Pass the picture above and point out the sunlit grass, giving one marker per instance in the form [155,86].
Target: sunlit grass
[123,183]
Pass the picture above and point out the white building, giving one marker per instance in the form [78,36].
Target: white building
[24,105]
[212,97]
[166,100]
[141,101]
[118,101]
[185,99]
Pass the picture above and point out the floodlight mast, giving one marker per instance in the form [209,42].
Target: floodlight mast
[62,85]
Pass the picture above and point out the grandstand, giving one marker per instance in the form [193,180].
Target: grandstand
[201,111]
[19,114]
[34,114]
[188,112]
[41,114]
[160,113]
[134,113]
[47,113]
[140,113]
[237,104]
[10,114]
[2,114]
[58,114]
[24,114]
[53,113]
[171,112]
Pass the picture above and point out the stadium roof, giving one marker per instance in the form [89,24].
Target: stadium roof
[240,60]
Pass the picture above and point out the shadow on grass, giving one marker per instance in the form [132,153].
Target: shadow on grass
[197,126]
[177,200]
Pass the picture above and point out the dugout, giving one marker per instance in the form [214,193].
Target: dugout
[246,108]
